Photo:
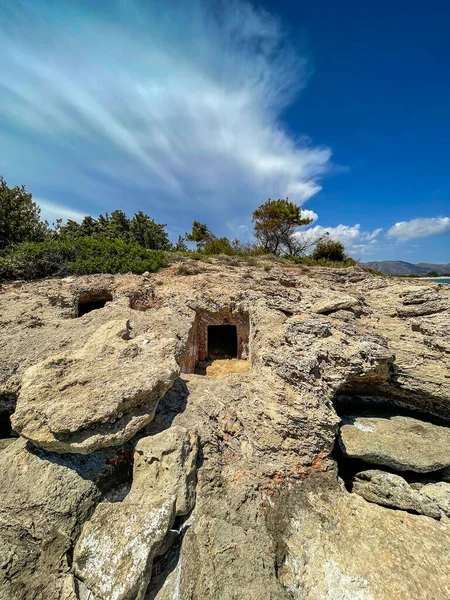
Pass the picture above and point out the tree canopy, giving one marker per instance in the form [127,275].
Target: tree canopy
[275,224]
[19,217]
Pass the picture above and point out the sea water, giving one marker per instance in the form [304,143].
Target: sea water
[441,280]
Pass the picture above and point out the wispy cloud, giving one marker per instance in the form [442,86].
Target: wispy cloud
[52,211]
[418,228]
[168,107]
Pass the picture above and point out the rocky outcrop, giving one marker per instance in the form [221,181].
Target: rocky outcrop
[402,443]
[272,517]
[44,500]
[80,403]
[420,302]
[114,554]
[392,490]
[336,545]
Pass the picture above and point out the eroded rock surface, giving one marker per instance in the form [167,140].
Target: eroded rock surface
[44,500]
[114,554]
[392,490]
[99,396]
[272,519]
[398,442]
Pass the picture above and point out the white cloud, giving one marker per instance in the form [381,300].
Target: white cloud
[354,240]
[417,228]
[52,211]
[309,214]
[180,106]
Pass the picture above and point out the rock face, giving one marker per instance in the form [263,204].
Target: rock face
[337,546]
[440,494]
[114,554]
[401,443]
[44,500]
[392,490]
[422,302]
[228,486]
[79,402]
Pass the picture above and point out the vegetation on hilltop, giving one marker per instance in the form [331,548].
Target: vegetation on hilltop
[114,243]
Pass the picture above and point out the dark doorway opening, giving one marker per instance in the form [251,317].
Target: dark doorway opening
[5,425]
[92,303]
[222,341]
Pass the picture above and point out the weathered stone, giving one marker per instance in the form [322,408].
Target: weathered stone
[422,302]
[337,546]
[114,554]
[402,443]
[393,491]
[439,493]
[4,443]
[263,525]
[80,403]
[44,500]
[342,303]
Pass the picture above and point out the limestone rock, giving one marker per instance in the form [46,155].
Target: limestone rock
[342,303]
[337,546]
[165,467]
[114,554]
[422,302]
[393,491]
[115,551]
[44,500]
[402,443]
[80,403]
[439,493]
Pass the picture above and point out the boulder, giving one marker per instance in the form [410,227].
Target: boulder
[114,554]
[393,491]
[80,402]
[342,303]
[44,500]
[402,443]
[440,494]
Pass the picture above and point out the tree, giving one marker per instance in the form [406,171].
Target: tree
[200,234]
[275,224]
[145,232]
[329,250]
[180,246]
[19,217]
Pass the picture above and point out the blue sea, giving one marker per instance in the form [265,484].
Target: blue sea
[437,280]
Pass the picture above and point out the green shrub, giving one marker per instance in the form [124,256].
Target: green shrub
[329,250]
[78,256]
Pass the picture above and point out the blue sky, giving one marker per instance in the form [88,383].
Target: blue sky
[201,109]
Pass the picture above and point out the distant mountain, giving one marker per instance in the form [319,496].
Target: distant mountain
[399,267]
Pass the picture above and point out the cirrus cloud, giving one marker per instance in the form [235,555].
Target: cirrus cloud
[140,101]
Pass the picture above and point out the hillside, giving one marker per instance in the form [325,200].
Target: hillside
[400,267]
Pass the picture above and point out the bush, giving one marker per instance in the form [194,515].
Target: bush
[329,250]
[78,256]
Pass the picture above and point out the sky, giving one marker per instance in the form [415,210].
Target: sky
[203,109]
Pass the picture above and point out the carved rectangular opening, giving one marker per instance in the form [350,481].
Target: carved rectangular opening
[86,304]
[214,336]
[222,341]
[5,425]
